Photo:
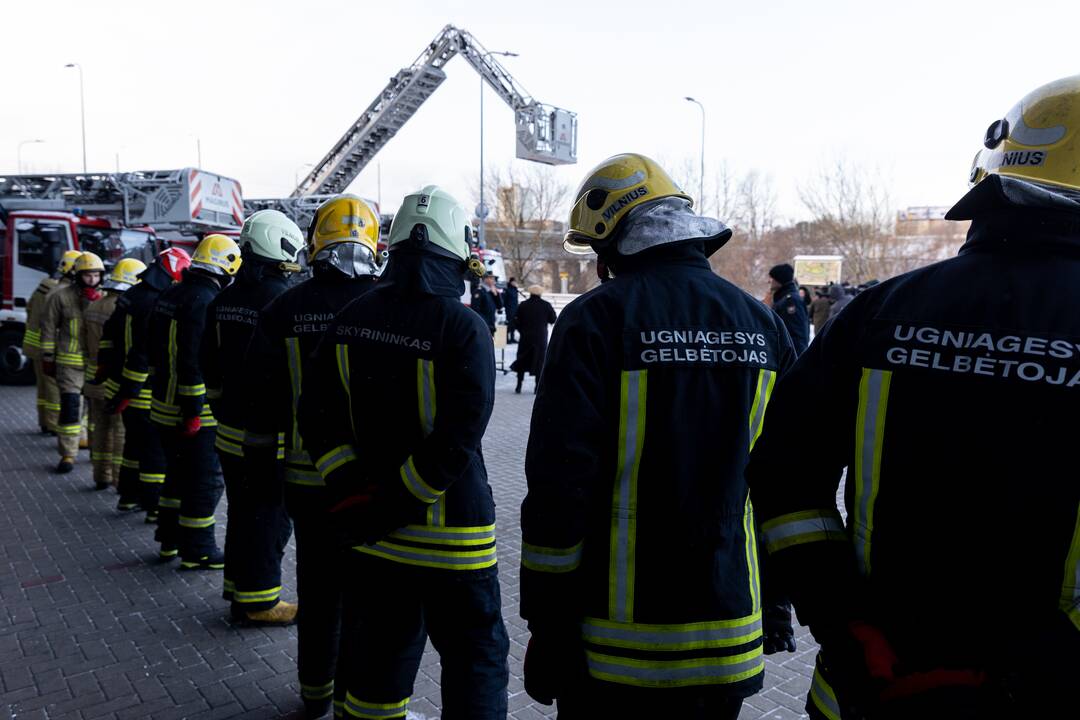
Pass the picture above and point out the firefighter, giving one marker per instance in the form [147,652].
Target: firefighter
[342,250]
[258,527]
[179,409]
[48,397]
[106,429]
[639,577]
[142,469]
[954,589]
[392,412]
[63,354]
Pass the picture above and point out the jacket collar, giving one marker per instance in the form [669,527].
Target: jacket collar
[415,272]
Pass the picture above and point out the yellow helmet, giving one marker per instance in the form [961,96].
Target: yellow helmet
[611,190]
[343,218]
[1038,140]
[124,274]
[88,262]
[67,261]
[217,254]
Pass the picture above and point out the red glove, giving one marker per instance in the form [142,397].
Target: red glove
[49,368]
[878,655]
[190,426]
[115,407]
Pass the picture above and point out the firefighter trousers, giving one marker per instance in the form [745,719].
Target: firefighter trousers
[391,611]
[142,471]
[256,533]
[48,398]
[69,427]
[319,590]
[597,699]
[193,487]
[106,443]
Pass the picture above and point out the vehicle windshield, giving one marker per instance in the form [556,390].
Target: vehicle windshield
[111,244]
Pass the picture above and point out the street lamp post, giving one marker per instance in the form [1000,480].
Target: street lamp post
[82,111]
[701,187]
[18,151]
[481,209]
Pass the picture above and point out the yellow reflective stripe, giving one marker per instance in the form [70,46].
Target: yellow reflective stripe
[75,429]
[127,335]
[425,394]
[334,459]
[869,434]
[69,360]
[1070,588]
[342,354]
[190,522]
[766,379]
[624,499]
[105,345]
[799,528]
[448,536]
[48,345]
[227,446]
[431,557]
[135,376]
[673,637]
[685,672]
[317,692]
[436,513]
[253,596]
[191,390]
[130,464]
[296,377]
[822,695]
[750,539]
[363,709]
[304,476]
[152,478]
[549,559]
[230,433]
[170,390]
[169,503]
[73,335]
[416,485]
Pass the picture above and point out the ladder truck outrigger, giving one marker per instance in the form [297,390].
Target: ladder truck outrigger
[110,214]
[545,133]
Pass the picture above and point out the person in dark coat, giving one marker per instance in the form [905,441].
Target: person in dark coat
[486,301]
[789,306]
[819,310]
[510,302]
[533,317]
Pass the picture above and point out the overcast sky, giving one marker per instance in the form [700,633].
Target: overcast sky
[904,88]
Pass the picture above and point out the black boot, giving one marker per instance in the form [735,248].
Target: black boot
[518,388]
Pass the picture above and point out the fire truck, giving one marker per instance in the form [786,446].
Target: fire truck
[113,215]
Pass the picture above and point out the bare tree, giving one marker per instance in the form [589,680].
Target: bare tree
[528,199]
[753,218]
[852,215]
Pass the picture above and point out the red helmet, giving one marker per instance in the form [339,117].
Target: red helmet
[174,261]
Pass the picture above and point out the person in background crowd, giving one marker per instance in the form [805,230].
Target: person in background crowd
[487,300]
[788,304]
[510,302]
[534,317]
[839,297]
[819,309]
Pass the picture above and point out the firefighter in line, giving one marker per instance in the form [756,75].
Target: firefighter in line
[63,353]
[48,397]
[392,411]
[127,392]
[106,429]
[179,409]
[258,528]
[640,571]
[342,250]
[953,591]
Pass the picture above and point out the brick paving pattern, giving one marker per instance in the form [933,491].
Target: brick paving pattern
[92,626]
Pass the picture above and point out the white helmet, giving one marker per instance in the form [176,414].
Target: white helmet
[446,220]
[271,235]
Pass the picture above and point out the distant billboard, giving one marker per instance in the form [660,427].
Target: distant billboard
[818,269]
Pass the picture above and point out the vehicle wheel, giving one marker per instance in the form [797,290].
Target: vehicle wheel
[15,368]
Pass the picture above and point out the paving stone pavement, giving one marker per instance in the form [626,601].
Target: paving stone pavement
[91,626]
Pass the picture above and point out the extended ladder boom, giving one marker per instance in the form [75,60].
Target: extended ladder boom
[544,133]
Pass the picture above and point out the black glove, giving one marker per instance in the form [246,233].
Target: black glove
[778,634]
[554,663]
[373,512]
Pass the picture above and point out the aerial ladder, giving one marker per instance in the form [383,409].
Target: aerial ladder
[545,133]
